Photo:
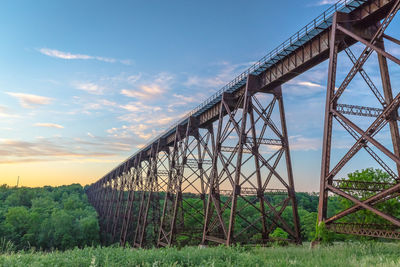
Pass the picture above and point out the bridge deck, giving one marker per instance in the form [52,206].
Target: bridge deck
[305,49]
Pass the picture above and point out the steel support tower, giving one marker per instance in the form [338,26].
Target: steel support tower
[346,29]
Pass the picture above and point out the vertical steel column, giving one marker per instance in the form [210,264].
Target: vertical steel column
[141,219]
[387,91]
[327,139]
[127,219]
[285,141]
[107,191]
[213,200]
[242,140]
[120,202]
[111,207]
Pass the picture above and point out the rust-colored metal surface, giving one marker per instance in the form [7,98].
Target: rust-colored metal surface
[219,163]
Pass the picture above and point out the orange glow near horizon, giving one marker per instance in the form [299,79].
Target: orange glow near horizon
[55,173]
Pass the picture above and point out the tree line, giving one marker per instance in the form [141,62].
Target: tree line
[61,217]
[47,218]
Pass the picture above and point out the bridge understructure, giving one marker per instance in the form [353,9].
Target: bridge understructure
[366,197]
[209,178]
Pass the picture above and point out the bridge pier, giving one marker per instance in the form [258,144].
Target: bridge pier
[346,29]
[242,176]
[188,178]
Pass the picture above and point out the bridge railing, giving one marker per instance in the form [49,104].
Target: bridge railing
[306,33]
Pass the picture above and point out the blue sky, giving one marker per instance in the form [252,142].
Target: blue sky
[84,84]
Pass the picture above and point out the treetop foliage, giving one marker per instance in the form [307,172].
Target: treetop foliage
[47,218]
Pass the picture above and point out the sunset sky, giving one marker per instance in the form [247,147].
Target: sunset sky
[84,84]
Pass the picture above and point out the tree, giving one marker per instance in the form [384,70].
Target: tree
[373,178]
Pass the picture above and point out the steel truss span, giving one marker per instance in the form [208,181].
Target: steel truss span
[197,182]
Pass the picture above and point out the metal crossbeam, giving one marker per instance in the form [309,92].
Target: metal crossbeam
[265,141]
[247,191]
[372,230]
[234,149]
[358,110]
[361,185]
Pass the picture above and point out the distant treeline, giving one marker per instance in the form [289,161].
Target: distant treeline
[47,218]
[61,217]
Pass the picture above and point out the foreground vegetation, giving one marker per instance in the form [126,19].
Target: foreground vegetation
[340,254]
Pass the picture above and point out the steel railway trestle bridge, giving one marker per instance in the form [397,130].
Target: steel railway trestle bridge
[226,158]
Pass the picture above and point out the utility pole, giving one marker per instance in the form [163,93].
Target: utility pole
[17,181]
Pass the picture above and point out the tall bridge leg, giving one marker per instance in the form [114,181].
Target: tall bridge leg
[387,92]
[327,139]
[107,199]
[111,208]
[185,201]
[143,166]
[168,216]
[116,224]
[242,176]
[149,209]
[363,196]
[126,227]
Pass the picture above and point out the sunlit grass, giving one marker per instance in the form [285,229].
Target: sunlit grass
[341,254]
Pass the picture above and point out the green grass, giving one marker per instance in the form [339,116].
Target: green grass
[343,255]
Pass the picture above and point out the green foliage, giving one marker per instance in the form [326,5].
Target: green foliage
[279,233]
[322,234]
[344,254]
[46,218]
[391,206]
[280,237]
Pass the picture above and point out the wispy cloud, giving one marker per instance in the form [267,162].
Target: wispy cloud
[29,100]
[125,131]
[225,73]
[301,143]
[187,99]
[309,84]
[58,148]
[325,2]
[149,90]
[49,125]
[139,107]
[143,92]
[5,113]
[67,55]
[100,104]
[89,87]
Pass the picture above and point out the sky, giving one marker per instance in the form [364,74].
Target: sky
[85,84]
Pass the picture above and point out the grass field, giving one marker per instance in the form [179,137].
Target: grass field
[343,255]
